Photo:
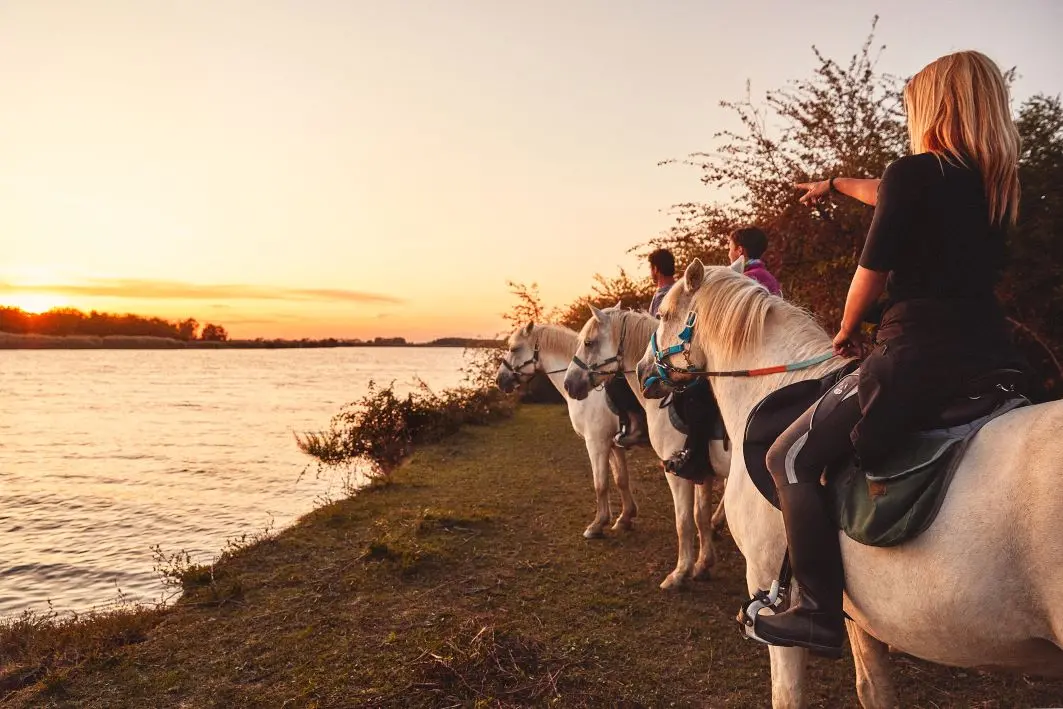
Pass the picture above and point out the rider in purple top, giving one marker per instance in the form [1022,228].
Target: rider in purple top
[750,244]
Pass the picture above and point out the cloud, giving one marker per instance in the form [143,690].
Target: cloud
[142,289]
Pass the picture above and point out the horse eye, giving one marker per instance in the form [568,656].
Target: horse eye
[588,343]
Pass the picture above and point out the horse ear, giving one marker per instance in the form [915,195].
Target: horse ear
[694,275]
[527,331]
[619,304]
[739,265]
[597,314]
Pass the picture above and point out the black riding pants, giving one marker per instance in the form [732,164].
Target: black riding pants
[819,437]
[620,393]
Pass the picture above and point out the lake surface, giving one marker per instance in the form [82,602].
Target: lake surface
[106,453]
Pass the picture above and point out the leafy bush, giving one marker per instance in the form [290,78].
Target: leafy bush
[381,428]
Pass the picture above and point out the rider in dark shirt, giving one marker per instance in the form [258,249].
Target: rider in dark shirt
[936,245]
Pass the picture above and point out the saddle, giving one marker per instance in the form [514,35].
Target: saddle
[901,496]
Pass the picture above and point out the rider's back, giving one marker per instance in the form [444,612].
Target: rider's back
[932,231]
[943,326]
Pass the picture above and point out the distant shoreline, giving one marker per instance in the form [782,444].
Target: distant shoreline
[14,341]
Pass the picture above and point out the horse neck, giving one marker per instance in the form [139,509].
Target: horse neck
[738,395]
[636,329]
[554,355]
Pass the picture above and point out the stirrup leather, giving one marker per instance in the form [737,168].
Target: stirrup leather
[777,598]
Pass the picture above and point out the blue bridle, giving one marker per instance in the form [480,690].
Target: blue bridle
[661,357]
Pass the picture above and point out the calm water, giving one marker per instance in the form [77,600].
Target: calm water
[104,454]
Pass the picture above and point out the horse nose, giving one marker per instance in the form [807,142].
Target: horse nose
[575,386]
[504,382]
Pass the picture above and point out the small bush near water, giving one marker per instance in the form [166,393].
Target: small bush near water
[382,428]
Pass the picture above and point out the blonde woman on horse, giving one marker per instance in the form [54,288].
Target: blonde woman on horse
[936,248]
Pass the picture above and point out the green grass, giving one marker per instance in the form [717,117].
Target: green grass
[465,582]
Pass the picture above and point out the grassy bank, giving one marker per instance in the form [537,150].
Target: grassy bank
[464,581]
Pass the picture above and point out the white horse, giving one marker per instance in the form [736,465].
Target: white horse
[549,349]
[613,340]
[962,593]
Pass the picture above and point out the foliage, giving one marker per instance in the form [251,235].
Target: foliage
[214,333]
[1033,286]
[528,308]
[605,293]
[70,321]
[847,119]
[382,428]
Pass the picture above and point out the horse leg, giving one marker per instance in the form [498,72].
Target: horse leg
[599,455]
[628,509]
[706,531]
[789,667]
[683,500]
[874,687]
[718,517]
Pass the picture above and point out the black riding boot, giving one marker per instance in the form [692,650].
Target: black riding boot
[633,431]
[815,619]
[699,413]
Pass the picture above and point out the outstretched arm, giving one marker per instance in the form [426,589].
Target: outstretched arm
[865,190]
[864,291]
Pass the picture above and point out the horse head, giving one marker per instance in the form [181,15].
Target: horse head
[521,360]
[599,352]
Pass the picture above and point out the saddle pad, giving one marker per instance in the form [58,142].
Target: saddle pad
[772,416]
[900,498]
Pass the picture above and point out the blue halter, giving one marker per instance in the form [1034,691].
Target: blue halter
[661,357]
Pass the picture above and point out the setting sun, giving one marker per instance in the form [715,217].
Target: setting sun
[34,302]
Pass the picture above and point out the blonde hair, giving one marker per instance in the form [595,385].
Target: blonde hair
[958,109]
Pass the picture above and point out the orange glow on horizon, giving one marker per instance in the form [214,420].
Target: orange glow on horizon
[35,303]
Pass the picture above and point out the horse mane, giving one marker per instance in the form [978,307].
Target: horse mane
[554,339]
[638,328]
[732,315]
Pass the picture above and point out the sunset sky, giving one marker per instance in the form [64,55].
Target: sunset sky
[346,168]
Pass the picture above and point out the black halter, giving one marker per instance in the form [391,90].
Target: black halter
[597,369]
[523,377]
[518,371]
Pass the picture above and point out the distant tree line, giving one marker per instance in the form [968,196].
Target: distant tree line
[846,119]
[70,321]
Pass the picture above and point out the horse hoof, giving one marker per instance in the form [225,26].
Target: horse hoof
[701,572]
[625,525]
[592,533]
[672,582]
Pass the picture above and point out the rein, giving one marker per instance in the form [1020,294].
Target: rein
[664,367]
